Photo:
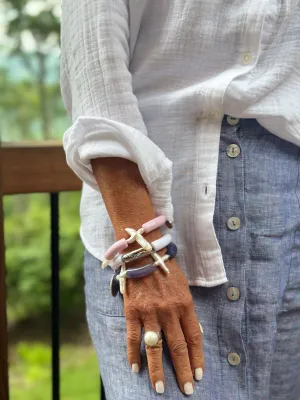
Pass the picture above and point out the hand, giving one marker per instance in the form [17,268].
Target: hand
[158,301]
[163,302]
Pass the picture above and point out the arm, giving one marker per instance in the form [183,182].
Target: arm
[128,204]
[125,195]
[126,198]
[96,87]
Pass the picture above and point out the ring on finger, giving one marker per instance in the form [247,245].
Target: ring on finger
[151,338]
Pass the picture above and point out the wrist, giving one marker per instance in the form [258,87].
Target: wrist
[135,222]
[150,237]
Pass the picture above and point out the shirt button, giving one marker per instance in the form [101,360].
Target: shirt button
[213,114]
[233,293]
[246,58]
[232,121]
[234,223]
[233,150]
[234,359]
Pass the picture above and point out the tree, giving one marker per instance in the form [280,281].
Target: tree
[19,108]
[44,28]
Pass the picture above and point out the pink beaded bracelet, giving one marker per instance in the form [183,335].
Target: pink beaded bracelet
[135,235]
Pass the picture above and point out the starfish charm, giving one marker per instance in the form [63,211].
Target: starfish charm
[160,261]
[122,279]
[136,235]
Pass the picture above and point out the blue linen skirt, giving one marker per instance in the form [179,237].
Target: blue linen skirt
[252,323]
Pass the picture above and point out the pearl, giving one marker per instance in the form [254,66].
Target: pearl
[151,338]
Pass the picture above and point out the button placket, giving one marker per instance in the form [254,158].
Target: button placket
[232,238]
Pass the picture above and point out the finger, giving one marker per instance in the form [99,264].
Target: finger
[193,336]
[179,353]
[154,358]
[134,338]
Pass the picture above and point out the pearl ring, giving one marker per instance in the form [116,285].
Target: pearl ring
[151,338]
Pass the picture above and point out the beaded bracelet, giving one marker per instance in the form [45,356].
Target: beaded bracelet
[118,281]
[156,245]
[135,235]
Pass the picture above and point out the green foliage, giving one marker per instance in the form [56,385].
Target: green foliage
[37,354]
[20,116]
[31,108]
[27,236]
[41,26]
[35,359]
[30,373]
[45,29]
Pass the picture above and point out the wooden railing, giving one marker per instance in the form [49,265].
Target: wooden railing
[34,167]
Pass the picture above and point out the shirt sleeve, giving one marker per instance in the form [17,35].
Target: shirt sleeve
[96,87]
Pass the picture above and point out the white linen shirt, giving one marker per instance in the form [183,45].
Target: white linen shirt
[150,81]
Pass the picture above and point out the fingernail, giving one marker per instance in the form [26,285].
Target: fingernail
[201,329]
[159,387]
[135,368]
[198,374]
[188,388]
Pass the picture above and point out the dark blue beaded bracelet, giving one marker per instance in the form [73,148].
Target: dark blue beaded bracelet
[140,271]
[115,284]
[171,250]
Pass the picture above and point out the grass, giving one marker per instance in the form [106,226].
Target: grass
[30,373]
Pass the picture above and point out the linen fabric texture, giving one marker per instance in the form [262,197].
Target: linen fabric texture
[262,324]
[150,81]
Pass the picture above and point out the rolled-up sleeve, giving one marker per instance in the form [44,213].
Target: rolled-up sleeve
[96,87]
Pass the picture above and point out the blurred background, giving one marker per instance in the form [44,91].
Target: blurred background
[31,109]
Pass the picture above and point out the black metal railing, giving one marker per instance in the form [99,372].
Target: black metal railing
[33,172]
[55,315]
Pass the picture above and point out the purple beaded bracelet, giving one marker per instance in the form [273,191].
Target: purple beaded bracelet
[145,270]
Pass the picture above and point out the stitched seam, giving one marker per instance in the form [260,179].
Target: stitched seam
[295,234]
[247,375]
[105,313]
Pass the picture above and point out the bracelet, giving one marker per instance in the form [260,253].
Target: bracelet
[118,281]
[156,245]
[135,235]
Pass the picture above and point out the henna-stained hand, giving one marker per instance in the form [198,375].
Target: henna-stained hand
[156,302]
[163,302]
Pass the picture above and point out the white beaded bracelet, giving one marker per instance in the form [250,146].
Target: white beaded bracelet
[157,245]
[135,235]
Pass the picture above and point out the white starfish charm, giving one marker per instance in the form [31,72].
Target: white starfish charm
[122,279]
[137,235]
[105,263]
[160,261]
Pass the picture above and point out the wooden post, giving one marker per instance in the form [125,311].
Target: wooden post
[3,322]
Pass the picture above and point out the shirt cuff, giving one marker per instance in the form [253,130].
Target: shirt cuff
[96,137]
